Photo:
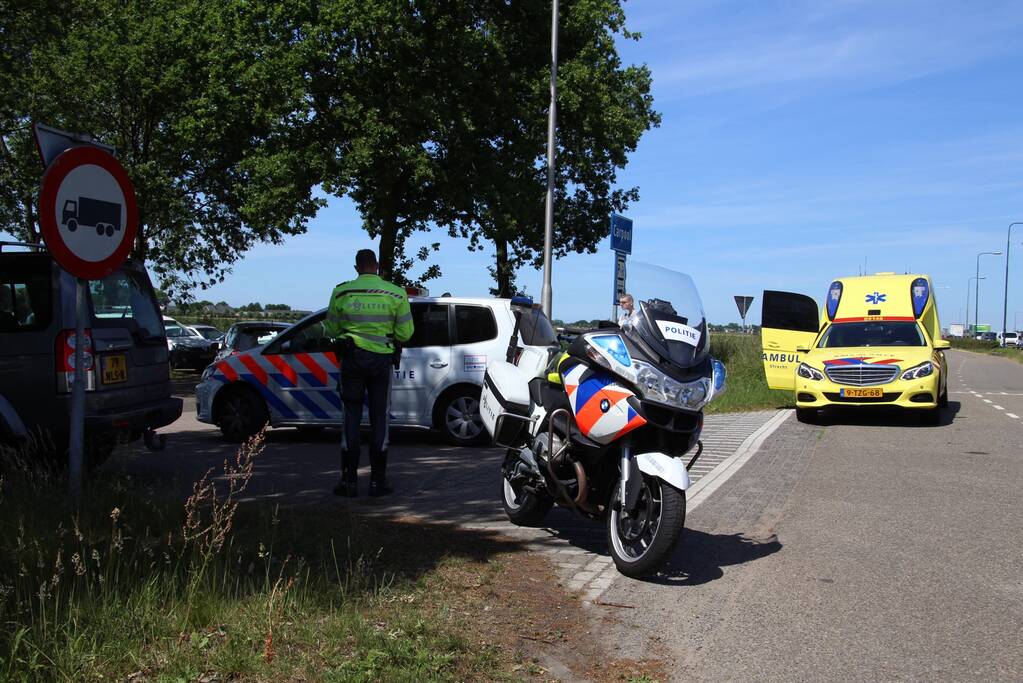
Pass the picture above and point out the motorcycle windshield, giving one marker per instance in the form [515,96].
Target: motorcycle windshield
[668,314]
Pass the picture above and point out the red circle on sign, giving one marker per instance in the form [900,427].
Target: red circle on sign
[49,226]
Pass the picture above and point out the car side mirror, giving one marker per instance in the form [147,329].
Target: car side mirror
[802,349]
[942,344]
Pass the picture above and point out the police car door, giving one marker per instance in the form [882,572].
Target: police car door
[425,364]
[305,372]
[788,322]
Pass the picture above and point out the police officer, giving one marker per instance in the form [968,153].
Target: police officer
[366,317]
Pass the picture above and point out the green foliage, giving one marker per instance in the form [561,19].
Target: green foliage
[204,102]
[747,387]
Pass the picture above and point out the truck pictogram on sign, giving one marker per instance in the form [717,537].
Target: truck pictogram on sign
[104,216]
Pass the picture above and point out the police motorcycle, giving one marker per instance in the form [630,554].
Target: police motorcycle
[605,427]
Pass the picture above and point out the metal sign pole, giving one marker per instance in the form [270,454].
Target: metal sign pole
[77,437]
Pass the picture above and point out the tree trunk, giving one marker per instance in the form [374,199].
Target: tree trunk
[503,272]
[388,236]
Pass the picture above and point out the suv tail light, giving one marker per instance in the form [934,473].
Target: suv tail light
[64,357]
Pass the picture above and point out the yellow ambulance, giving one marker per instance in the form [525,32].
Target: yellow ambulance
[877,341]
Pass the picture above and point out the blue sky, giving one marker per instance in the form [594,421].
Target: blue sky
[799,141]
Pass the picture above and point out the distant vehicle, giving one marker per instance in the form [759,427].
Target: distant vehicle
[292,380]
[188,349]
[248,335]
[128,389]
[95,213]
[876,342]
[1010,339]
[987,336]
[207,332]
[957,330]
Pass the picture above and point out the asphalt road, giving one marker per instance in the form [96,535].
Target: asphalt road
[869,548]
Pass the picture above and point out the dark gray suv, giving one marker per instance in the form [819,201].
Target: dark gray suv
[127,375]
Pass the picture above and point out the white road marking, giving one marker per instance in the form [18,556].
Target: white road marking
[997,407]
[1014,416]
[986,400]
[708,484]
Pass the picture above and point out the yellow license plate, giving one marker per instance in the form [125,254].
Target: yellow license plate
[115,369]
[862,393]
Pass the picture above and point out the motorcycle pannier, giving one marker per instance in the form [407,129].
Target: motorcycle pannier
[504,402]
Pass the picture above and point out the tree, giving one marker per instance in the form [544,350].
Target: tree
[204,101]
[603,110]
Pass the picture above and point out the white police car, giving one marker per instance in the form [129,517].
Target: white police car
[291,381]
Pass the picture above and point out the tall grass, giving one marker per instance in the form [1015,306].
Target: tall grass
[747,387]
[131,584]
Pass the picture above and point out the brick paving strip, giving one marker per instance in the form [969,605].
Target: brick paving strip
[469,496]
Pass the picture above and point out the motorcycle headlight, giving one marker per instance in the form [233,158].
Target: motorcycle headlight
[919,371]
[809,372]
[654,385]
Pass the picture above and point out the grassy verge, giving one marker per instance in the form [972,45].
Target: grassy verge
[747,387]
[989,347]
[134,586]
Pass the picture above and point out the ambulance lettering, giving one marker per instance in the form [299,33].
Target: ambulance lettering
[781,357]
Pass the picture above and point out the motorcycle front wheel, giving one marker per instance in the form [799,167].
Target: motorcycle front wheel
[642,541]
[522,507]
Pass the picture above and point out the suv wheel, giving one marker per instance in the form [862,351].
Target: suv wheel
[458,417]
[242,414]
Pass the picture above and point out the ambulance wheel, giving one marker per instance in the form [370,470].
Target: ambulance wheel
[241,414]
[806,415]
[943,399]
[457,416]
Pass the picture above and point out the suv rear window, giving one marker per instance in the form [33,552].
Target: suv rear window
[474,324]
[535,328]
[26,296]
[125,295]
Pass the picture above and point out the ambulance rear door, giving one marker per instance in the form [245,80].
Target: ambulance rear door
[788,321]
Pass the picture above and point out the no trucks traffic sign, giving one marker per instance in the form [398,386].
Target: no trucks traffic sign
[88,216]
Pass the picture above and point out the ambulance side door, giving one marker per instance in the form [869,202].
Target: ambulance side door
[788,321]
[425,363]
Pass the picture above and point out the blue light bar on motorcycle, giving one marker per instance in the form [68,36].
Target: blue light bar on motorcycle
[613,346]
[920,291]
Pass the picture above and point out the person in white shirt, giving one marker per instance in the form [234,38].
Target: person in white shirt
[628,308]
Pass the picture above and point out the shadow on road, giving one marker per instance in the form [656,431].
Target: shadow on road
[886,417]
[700,556]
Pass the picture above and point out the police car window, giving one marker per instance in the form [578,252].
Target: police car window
[535,328]
[430,326]
[26,300]
[474,324]
[125,296]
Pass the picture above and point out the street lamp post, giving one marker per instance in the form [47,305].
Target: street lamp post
[552,118]
[1005,298]
[976,292]
[969,281]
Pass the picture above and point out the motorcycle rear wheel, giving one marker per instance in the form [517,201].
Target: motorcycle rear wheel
[641,543]
[522,507]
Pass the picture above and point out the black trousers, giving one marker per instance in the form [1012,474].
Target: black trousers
[365,377]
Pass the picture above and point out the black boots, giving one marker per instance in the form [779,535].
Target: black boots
[378,475]
[347,487]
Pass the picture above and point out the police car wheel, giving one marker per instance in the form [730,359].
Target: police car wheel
[458,417]
[242,414]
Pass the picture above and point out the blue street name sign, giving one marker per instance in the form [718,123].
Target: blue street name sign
[621,234]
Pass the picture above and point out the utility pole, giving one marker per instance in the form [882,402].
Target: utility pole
[546,294]
[1005,297]
[976,292]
